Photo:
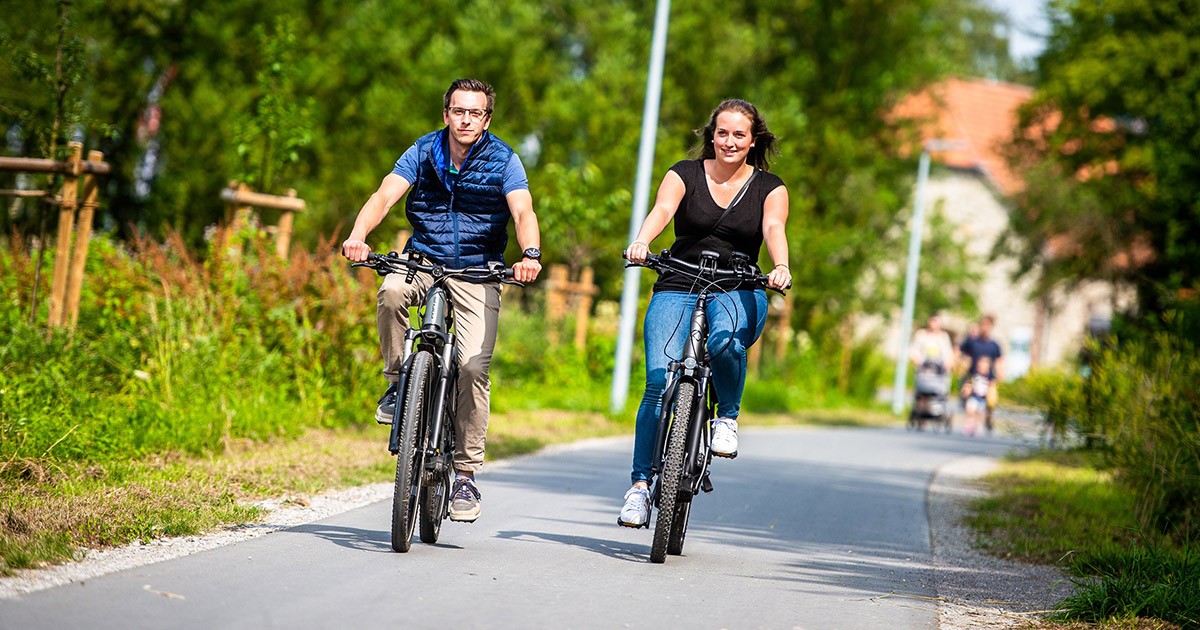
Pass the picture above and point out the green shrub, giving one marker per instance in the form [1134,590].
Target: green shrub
[1143,399]
[1056,392]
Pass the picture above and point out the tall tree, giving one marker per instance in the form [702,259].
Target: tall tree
[1112,144]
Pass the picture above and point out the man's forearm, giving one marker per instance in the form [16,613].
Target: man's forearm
[528,234]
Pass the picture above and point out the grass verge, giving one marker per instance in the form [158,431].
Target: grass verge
[1056,507]
[53,510]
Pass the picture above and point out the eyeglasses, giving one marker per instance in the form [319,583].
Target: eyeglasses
[475,114]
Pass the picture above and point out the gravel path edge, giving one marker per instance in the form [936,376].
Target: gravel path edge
[976,590]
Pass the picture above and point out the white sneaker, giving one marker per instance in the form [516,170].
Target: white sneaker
[636,512]
[724,437]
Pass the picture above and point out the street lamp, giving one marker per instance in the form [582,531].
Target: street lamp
[641,195]
[910,276]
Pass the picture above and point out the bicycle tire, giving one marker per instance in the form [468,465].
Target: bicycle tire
[672,471]
[410,459]
[679,528]
[435,497]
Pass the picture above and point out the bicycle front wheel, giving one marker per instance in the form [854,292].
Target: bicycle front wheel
[411,458]
[670,508]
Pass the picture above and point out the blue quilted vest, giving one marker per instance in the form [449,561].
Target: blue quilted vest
[467,224]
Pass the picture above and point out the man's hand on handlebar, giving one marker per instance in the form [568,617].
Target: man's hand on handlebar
[526,270]
[355,250]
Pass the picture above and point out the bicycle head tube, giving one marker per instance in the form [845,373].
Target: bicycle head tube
[437,304]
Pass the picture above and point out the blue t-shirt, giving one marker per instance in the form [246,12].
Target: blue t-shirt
[406,167]
[976,347]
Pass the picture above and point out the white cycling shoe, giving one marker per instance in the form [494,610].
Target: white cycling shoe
[636,511]
[724,437]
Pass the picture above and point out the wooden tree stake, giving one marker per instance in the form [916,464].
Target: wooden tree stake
[66,223]
[83,237]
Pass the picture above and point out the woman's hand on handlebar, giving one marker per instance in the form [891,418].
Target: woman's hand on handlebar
[780,278]
[355,250]
[637,252]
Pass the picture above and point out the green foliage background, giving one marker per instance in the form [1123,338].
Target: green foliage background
[326,100]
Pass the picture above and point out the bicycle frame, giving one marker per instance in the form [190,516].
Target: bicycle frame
[436,337]
[693,366]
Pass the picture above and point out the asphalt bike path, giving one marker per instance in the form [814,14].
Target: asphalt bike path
[807,528]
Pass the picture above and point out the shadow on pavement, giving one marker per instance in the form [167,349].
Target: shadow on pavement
[358,539]
[613,549]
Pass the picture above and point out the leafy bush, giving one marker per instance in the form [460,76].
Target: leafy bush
[1136,398]
[1056,392]
[1143,399]
[175,354]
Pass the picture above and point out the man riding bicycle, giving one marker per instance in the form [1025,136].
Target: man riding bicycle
[466,185]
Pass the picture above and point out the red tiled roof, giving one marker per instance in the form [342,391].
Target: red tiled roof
[980,113]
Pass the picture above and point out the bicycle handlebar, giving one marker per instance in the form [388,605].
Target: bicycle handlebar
[390,263]
[666,262]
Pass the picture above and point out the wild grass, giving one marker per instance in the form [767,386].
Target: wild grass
[1138,582]
[1066,508]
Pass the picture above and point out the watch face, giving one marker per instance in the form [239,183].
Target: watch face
[533,253]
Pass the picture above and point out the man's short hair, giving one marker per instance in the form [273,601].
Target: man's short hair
[991,319]
[470,85]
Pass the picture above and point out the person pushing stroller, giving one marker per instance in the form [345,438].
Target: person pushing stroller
[932,353]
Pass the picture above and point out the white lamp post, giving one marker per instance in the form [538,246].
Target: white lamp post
[641,196]
[910,276]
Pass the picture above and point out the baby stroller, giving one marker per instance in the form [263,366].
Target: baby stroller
[931,397]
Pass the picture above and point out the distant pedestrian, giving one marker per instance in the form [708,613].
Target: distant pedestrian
[978,391]
[975,348]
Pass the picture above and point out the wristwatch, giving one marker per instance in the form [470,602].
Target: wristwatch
[532,253]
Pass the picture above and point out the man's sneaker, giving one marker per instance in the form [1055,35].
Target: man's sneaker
[387,405]
[464,500]
[636,512]
[724,437]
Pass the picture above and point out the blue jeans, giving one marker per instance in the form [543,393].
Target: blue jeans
[735,321]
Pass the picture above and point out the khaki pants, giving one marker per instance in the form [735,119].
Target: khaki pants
[476,315]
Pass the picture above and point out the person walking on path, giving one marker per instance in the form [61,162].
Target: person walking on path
[932,344]
[466,184]
[982,345]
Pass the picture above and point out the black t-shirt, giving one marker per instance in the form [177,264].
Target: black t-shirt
[739,231]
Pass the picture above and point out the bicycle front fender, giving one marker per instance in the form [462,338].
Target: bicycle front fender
[401,390]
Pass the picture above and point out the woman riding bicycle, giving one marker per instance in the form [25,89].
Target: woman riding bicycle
[724,201]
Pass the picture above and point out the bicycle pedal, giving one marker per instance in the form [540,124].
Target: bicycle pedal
[732,455]
[631,525]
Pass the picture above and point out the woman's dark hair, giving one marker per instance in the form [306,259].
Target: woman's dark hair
[764,140]
[470,85]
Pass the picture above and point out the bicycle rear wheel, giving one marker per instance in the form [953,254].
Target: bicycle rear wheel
[670,509]
[435,497]
[411,458]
